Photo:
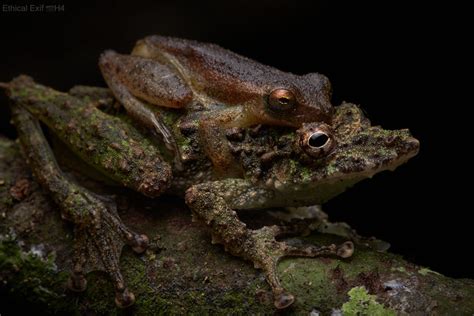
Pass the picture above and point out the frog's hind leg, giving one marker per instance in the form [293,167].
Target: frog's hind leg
[133,77]
[214,202]
[99,232]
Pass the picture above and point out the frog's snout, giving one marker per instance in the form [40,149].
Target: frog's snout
[402,142]
[107,56]
[108,52]
[410,147]
[414,144]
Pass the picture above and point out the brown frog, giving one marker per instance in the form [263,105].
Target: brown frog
[227,89]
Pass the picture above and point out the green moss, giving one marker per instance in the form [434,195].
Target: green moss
[307,279]
[331,169]
[41,95]
[169,116]
[184,143]
[6,200]
[305,173]
[362,303]
[21,92]
[293,166]
[24,274]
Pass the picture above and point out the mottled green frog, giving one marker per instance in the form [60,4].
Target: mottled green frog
[279,167]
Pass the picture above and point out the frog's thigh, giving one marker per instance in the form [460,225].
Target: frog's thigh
[130,77]
[146,79]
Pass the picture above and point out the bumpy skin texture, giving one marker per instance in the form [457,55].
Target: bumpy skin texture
[219,74]
[279,173]
[278,168]
[226,89]
[99,233]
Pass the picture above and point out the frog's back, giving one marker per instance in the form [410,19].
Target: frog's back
[223,74]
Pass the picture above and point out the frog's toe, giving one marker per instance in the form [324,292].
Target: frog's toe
[99,239]
[77,282]
[283,300]
[124,298]
[345,250]
[140,243]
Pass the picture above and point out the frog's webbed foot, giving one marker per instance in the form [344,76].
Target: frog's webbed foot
[99,238]
[214,203]
[268,252]
[99,232]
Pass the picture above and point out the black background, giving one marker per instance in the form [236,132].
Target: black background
[402,62]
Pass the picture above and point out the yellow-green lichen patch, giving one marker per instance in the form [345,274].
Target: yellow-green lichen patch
[362,303]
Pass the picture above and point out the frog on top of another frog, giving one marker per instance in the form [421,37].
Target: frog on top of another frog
[224,88]
[281,168]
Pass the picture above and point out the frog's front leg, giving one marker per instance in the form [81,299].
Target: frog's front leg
[215,202]
[213,139]
[133,77]
[99,232]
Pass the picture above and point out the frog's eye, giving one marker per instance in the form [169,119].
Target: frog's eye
[317,141]
[281,100]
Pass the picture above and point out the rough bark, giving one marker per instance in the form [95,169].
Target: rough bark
[184,273]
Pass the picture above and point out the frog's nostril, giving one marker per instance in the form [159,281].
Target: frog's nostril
[413,144]
[109,52]
[107,56]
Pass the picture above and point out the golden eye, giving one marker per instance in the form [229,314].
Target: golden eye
[281,100]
